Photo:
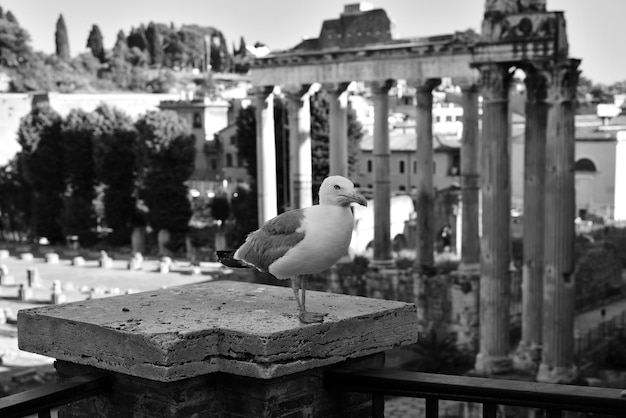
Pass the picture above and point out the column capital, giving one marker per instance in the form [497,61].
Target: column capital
[563,81]
[381,87]
[298,92]
[336,88]
[470,88]
[494,82]
[262,91]
[427,85]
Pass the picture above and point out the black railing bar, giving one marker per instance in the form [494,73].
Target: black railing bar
[53,395]
[432,407]
[476,389]
[378,406]
[490,410]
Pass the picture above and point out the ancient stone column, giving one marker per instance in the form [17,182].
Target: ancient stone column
[338,128]
[301,179]
[470,153]
[557,363]
[267,195]
[382,182]
[528,353]
[496,207]
[425,231]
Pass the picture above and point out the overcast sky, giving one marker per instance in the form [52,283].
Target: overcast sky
[595,28]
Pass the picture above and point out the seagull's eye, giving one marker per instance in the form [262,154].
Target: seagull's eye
[337,187]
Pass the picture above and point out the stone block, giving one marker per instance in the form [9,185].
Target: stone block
[105,262]
[32,277]
[26,256]
[5,277]
[236,328]
[217,349]
[78,261]
[4,254]
[52,258]
[25,293]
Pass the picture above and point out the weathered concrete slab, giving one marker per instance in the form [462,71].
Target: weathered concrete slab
[239,328]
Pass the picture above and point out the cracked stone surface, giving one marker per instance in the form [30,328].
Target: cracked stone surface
[239,328]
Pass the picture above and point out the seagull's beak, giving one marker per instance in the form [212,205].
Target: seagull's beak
[356,198]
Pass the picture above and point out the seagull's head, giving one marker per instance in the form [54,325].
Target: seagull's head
[339,191]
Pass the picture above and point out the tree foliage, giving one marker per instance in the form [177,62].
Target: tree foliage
[319,139]
[95,43]
[166,152]
[61,40]
[115,146]
[41,162]
[15,47]
[15,195]
[79,216]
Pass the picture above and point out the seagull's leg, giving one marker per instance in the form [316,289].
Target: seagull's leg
[295,285]
[308,317]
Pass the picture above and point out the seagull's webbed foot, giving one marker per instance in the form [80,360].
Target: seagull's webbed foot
[305,316]
[311,317]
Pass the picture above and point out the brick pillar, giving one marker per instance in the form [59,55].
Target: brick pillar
[425,225]
[338,128]
[528,353]
[267,195]
[470,153]
[557,362]
[382,182]
[496,207]
[301,179]
[216,349]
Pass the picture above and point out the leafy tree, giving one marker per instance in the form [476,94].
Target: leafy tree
[245,139]
[79,216]
[61,40]
[96,44]
[15,50]
[11,17]
[166,152]
[319,139]
[15,195]
[155,44]
[114,149]
[42,167]
[137,38]
[244,209]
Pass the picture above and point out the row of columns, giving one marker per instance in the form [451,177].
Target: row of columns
[549,211]
[548,308]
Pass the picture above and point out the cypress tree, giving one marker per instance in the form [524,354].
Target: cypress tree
[155,46]
[61,40]
[96,43]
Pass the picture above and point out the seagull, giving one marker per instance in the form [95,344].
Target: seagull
[302,241]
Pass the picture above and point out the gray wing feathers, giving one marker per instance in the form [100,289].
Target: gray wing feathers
[272,240]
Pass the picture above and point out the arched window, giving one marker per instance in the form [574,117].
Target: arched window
[585,165]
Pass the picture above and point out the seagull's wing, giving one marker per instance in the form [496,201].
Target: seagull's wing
[272,240]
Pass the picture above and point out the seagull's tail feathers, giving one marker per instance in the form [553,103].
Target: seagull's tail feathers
[227,258]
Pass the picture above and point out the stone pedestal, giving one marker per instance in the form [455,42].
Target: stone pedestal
[217,349]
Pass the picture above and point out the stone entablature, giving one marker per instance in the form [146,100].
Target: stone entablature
[407,59]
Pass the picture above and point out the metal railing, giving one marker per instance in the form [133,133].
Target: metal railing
[552,398]
[42,399]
